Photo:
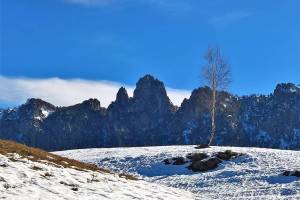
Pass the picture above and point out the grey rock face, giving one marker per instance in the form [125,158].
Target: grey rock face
[140,120]
[149,118]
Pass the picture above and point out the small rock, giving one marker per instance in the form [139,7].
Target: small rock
[296,173]
[291,173]
[205,165]
[36,168]
[226,155]
[74,189]
[286,173]
[180,161]
[3,165]
[167,161]
[202,146]
[196,156]
[6,186]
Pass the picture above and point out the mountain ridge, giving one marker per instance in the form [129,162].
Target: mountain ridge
[150,118]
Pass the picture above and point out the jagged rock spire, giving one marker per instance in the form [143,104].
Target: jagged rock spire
[122,96]
[147,86]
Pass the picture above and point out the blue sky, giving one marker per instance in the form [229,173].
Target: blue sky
[121,40]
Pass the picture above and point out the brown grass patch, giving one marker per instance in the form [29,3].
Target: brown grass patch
[46,175]
[38,155]
[127,176]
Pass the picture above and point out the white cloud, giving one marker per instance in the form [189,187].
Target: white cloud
[169,5]
[62,92]
[229,18]
[91,2]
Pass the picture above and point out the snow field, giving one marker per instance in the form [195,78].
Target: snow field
[257,175]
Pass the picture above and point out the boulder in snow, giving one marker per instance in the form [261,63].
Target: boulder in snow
[205,165]
[179,161]
[196,156]
[226,155]
[292,173]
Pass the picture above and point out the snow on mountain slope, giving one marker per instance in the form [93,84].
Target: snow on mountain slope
[256,175]
[22,179]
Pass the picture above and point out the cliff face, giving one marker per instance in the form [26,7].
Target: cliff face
[149,118]
[140,120]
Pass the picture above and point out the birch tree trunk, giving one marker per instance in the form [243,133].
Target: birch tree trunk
[216,74]
[213,111]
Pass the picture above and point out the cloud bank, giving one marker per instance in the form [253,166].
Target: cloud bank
[65,92]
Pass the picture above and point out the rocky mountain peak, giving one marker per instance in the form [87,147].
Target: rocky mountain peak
[150,94]
[35,109]
[199,97]
[148,86]
[146,78]
[284,88]
[93,104]
[122,96]
[38,103]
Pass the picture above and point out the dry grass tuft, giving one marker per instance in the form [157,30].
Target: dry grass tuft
[38,155]
[46,175]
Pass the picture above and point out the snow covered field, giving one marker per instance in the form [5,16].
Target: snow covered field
[257,175]
[21,179]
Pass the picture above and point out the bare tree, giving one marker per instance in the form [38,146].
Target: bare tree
[217,75]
